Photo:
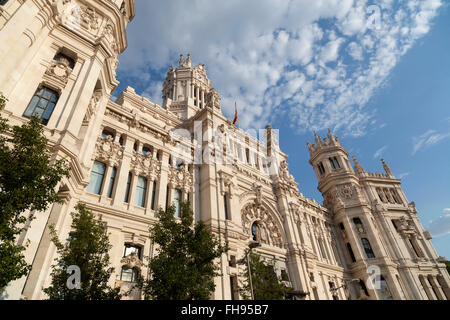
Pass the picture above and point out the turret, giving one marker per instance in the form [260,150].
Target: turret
[187,89]
[328,157]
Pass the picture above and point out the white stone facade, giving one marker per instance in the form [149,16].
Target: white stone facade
[239,186]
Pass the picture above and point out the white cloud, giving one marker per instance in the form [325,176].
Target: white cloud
[249,48]
[379,152]
[403,175]
[429,138]
[440,226]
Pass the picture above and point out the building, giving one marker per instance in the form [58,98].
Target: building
[132,156]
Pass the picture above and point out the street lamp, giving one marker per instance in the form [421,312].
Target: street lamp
[251,245]
[345,285]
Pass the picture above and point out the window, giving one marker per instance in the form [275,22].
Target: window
[358,225]
[146,150]
[3,2]
[141,191]
[135,146]
[68,61]
[284,275]
[363,287]
[121,140]
[254,231]
[177,201]
[129,275]
[350,252]
[111,182]
[334,163]
[225,204]
[106,133]
[179,163]
[97,174]
[367,248]
[341,225]
[414,248]
[394,223]
[384,291]
[321,168]
[153,195]
[127,190]
[129,249]
[247,155]
[232,262]
[42,105]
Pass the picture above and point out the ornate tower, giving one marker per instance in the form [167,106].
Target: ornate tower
[187,89]
[385,245]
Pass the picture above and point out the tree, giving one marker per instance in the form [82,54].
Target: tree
[28,178]
[184,267]
[87,247]
[266,284]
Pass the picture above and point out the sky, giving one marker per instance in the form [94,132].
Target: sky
[377,73]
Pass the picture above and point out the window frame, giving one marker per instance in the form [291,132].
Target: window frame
[30,110]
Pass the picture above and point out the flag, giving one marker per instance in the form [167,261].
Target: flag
[235,113]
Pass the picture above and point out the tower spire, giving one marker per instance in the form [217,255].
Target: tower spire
[386,167]
[358,167]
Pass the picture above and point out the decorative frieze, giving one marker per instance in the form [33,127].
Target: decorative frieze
[145,165]
[108,151]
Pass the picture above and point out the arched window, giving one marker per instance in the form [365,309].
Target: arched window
[254,231]
[97,175]
[367,248]
[147,150]
[42,105]
[106,133]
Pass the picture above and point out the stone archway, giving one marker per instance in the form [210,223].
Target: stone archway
[268,229]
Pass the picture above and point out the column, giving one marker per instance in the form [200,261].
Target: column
[203,98]
[132,192]
[106,181]
[148,196]
[198,96]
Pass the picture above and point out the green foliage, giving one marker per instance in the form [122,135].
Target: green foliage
[184,267]
[266,284]
[447,264]
[28,178]
[87,248]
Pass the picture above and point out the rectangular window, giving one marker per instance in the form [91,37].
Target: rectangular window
[225,204]
[350,252]
[97,174]
[141,191]
[127,190]
[42,105]
[284,275]
[177,202]
[321,168]
[129,249]
[111,182]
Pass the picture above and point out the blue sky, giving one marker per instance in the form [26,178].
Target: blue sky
[376,72]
